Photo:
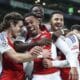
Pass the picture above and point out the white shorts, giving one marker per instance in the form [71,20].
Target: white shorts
[53,76]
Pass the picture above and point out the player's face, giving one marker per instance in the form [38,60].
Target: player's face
[32,25]
[57,22]
[38,11]
[15,29]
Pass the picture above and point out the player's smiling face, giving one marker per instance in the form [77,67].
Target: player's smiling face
[32,25]
[57,21]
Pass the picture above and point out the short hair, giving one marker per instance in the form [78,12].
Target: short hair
[1,27]
[75,26]
[56,12]
[36,5]
[11,17]
[28,14]
[40,7]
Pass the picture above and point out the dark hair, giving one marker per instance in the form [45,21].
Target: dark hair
[27,15]
[56,12]
[11,17]
[76,26]
[41,9]
[36,5]
[1,27]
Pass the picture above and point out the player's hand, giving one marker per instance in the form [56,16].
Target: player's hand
[73,74]
[36,51]
[47,63]
[46,53]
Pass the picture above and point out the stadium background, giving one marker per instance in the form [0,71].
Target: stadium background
[71,8]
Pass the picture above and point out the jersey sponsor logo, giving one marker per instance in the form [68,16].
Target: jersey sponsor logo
[75,47]
[72,38]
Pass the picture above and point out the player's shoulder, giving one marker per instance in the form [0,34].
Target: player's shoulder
[3,36]
[72,38]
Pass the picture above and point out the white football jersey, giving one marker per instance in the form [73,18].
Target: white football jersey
[4,46]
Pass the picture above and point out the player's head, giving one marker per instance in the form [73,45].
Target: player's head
[32,24]
[57,20]
[13,22]
[38,11]
[75,27]
[76,30]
